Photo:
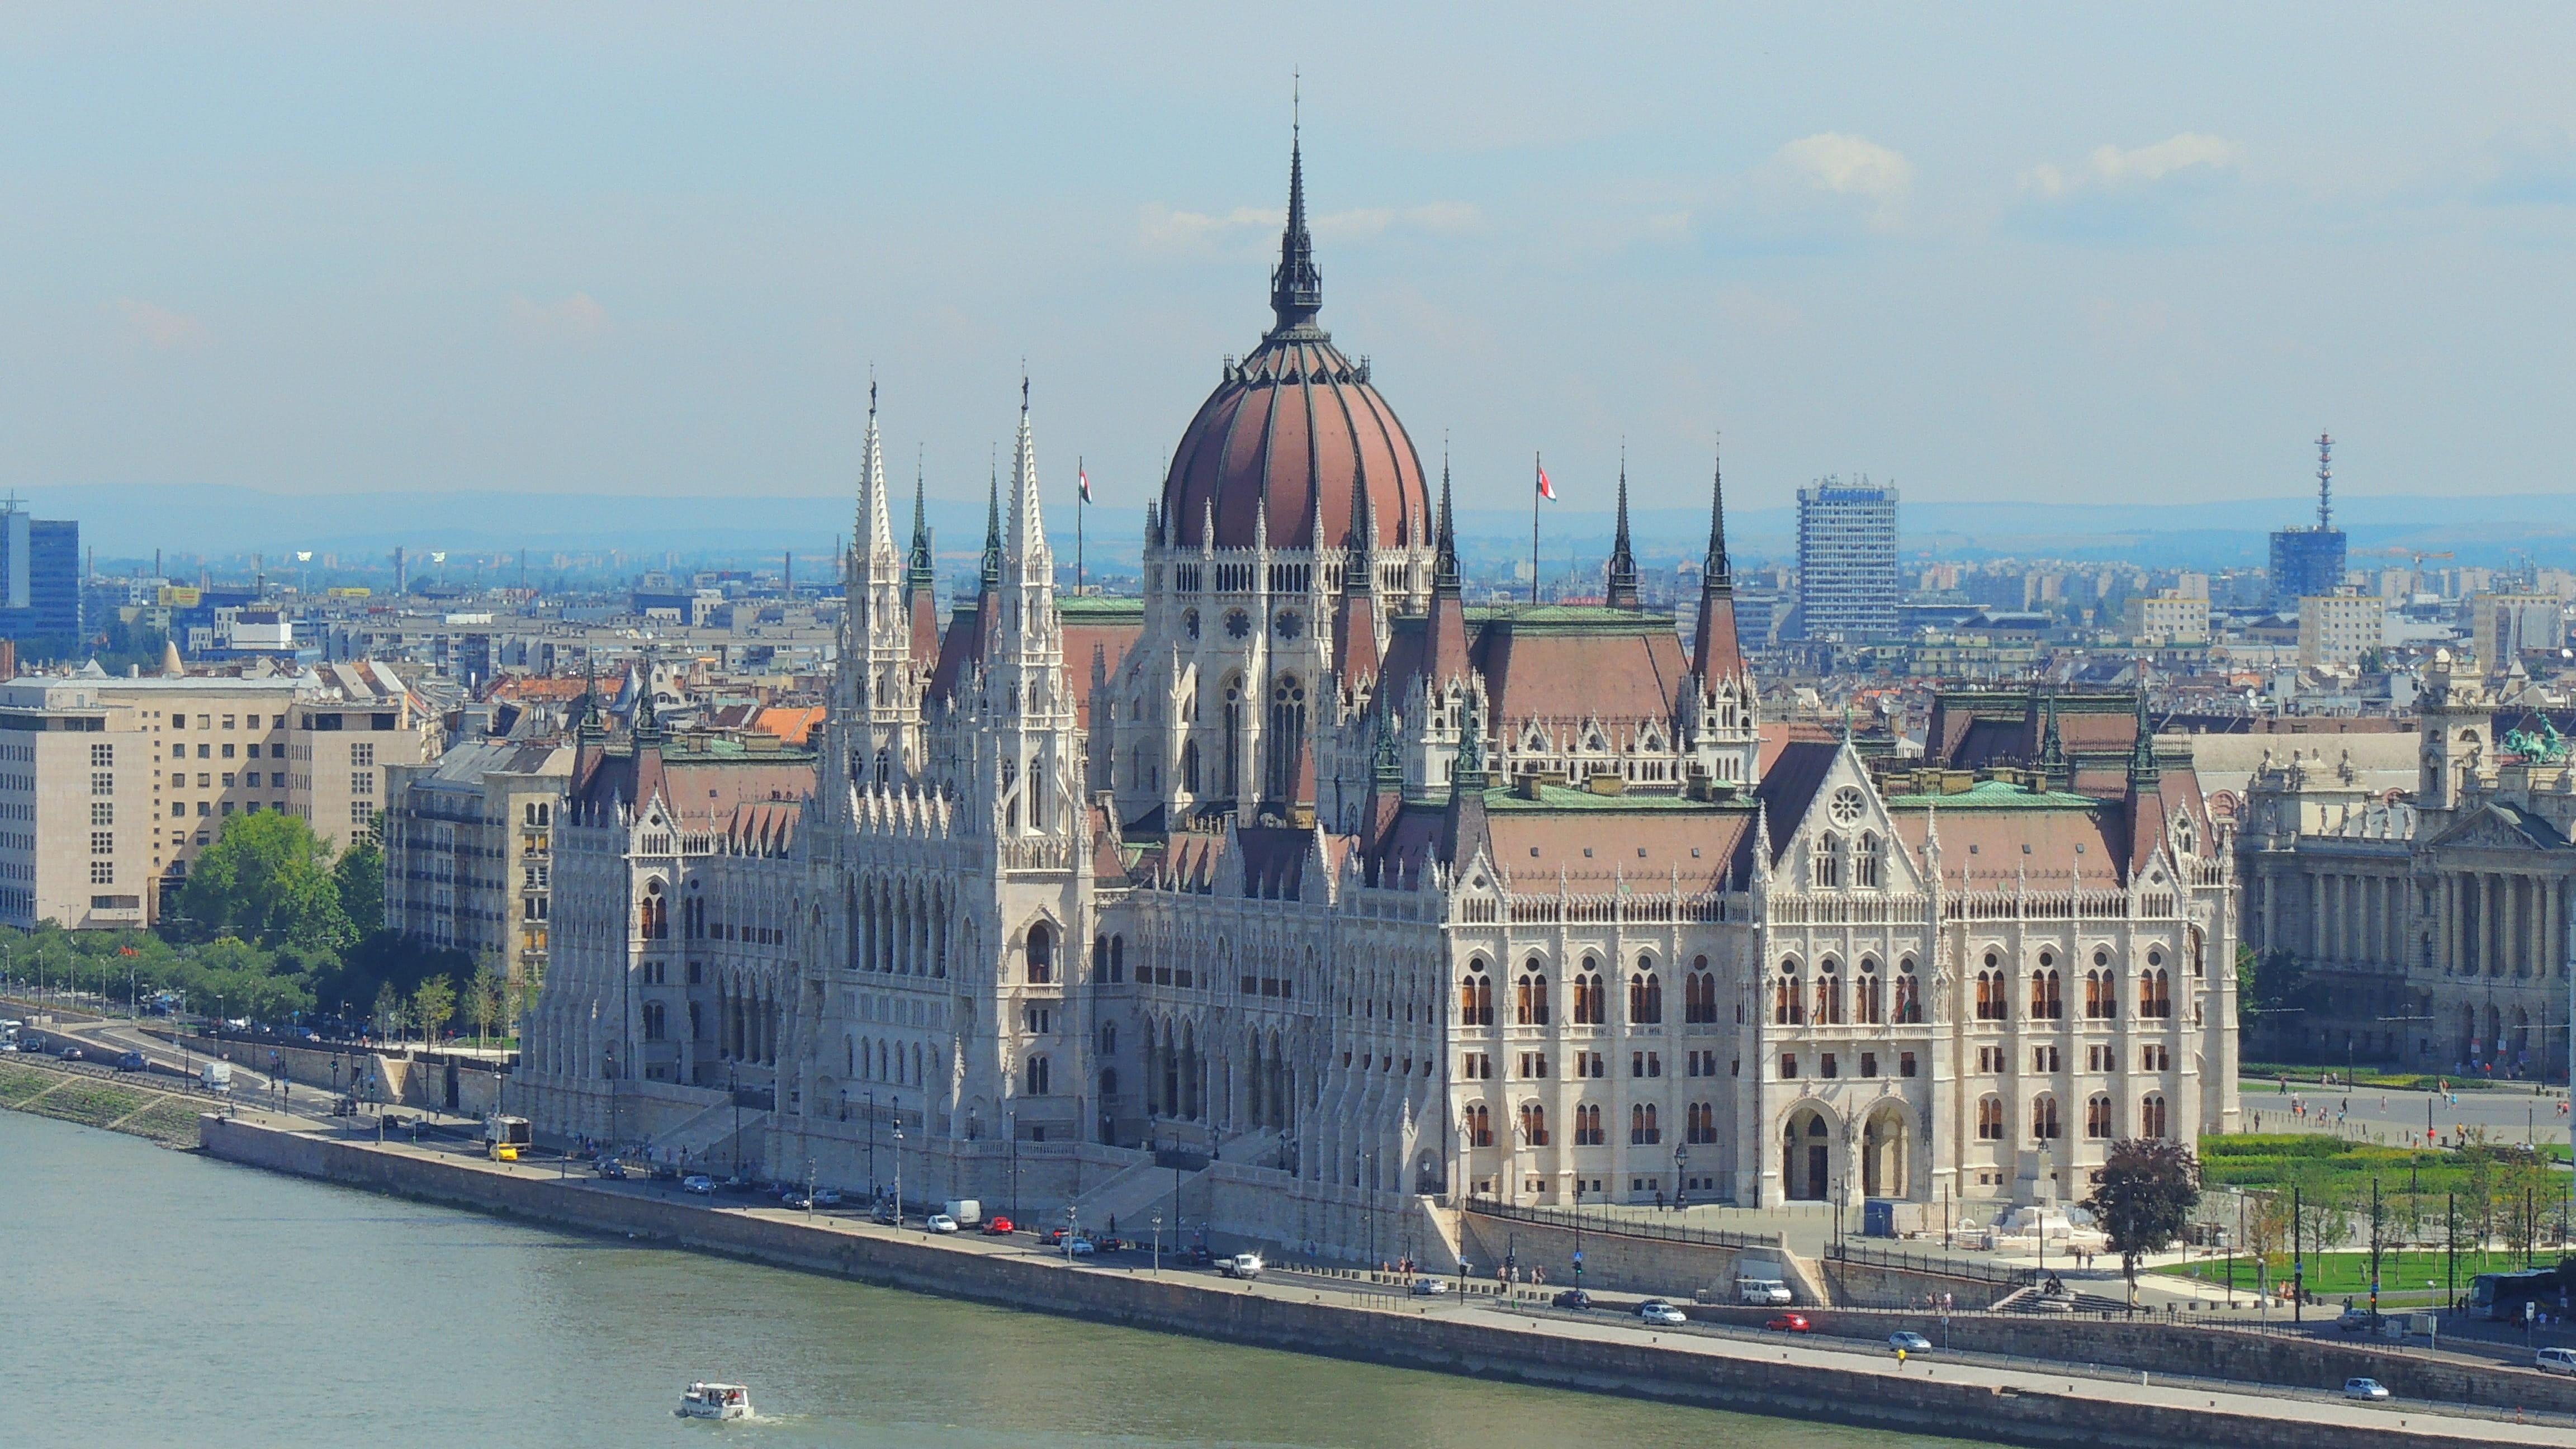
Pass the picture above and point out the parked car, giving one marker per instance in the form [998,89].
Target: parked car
[2354,1320]
[612,1169]
[2555,1360]
[132,1062]
[1430,1287]
[1080,1248]
[883,1212]
[70,1054]
[2371,1389]
[1909,1342]
[999,1227]
[827,1197]
[940,1223]
[1572,1298]
[1661,1314]
[1762,1292]
[1790,1323]
[699,1183]
[796,1200]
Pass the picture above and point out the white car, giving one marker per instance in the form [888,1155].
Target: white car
[1430,1287]
[940,1223]
[2364,1389]
[1662,1314]
[1081,1248]
[699,1183]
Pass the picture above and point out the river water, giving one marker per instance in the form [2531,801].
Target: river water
[154,1297]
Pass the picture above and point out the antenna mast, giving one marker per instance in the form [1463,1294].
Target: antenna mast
[2325,482]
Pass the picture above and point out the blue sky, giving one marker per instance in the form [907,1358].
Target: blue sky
[2063,254]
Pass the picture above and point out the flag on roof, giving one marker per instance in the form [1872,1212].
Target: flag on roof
[1546,489]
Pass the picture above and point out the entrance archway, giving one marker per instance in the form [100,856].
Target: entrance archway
[1884,1153]
[1806,1151]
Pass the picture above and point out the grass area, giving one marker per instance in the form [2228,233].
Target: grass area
[94,1102]
[2337,1274]
[2280,1159]
[171,1122]
[2267,1075]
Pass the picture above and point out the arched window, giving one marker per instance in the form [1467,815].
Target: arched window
[1642,1130]
[1038,1074]
[1286,740]
[1990,1119]
[1702,1123]
[1530,995]
[1868,1006]
[2097,1116]
[1825,873]
[2159,996]
[1865,863]
[1533,1125]
[1645,995]
[653,1019]
[1993,993]
[2047,1001]
[1117,958]
[1190,766]
[1829,995]
[653,914]
[1041,955]
[1699,995]
[2151,1116]
[1476,996]
[1587,1126]
[1788,1003]
[1909,994]
[2043,1119]
[1480,1126]
[1099,958]
[1591,1001]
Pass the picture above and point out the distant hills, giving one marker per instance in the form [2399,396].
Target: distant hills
[219,523]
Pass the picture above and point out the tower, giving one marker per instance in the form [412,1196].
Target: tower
[1722,710]
[1621,591]
[876,694]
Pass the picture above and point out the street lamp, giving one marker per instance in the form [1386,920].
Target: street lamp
[1158,1241]
[898,1164]
[873,1192]
[1368,1201]
[1681,1164]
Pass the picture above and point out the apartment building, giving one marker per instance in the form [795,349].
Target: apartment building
[1848,585]
[469,858]
[2340,628]
[114,786]
[2171,617]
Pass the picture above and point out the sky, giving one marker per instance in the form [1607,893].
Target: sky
[2044,254]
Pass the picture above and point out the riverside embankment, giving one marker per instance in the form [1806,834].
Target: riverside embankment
[1755,1376]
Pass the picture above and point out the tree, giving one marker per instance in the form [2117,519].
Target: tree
[434,1003]
[483,999]
[387,1013]
[360,875]
[267,878]
[2143,1197]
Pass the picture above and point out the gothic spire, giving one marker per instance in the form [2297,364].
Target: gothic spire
[1717,571]
[2052,744]
[993,531]
[1444,572]
[1622,593]
[919,571]
[1296,288]
[2143,770]
[1028,522]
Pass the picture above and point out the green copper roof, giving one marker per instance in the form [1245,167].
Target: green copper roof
[1099,609]
[1559,797]
[1996,795]
[1569,618]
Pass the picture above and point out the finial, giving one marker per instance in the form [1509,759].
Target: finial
[1024,384]
[1296,287]
[872,389]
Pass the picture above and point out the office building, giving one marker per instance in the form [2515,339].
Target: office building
[1847,580]
[40,596]
[2308,562]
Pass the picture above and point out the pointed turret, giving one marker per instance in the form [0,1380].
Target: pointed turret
[1296,288]
[993,533]
[921,581]
[2144,772]
[1716,653]
[1356,645]
[1622,590]
[1445,652]
[2052,746]
[1028,545]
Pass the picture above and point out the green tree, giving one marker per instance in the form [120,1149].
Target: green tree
[360,875]
[2143,1196]
[433,1004]
[483,998]
[267,878]
[387,1013]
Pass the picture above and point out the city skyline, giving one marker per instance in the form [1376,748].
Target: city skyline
[662,263]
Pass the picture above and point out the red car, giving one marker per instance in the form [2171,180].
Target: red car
[1789,1323]
[997,1226]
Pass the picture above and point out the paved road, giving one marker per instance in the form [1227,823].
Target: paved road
[2515,1112]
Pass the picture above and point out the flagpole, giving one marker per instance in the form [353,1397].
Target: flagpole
[1081,496]
[1537,470]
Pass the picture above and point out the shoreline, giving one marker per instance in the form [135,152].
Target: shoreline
[1790,1380]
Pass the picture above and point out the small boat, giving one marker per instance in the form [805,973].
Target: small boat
[715,1401]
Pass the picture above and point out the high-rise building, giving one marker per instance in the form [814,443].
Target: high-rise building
[39,582]
[2308,562]
[1847,580]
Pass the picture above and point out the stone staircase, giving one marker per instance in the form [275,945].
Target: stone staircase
[708,1138]
[1132,1196]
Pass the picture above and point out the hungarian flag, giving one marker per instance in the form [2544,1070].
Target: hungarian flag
[1080,473]
[1546,489]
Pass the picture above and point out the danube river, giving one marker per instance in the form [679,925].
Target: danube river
[153,1297]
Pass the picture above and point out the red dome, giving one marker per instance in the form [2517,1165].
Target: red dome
[1296,429]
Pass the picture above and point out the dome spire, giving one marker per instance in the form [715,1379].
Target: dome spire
[1296,288]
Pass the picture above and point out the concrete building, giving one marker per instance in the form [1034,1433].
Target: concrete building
[2308,562]
[469,850]
[1354,901]
[2340,628]
[2172,616]
[40,596]
[2502,626]
[184,753]
[1848,585]
[2434,927]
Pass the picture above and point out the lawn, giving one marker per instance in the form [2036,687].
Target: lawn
[2334,1275]
[2267,1076]
[2280,1159]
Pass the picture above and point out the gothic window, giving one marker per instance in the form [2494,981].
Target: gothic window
[1990,1119]
[2046,1004]
[1829,996]
[1587,1126]
[1190,622]
[1238,624]
[1642,1130]
[1480,1126]
[653,1019]
[1699,995]
[1788,1003]
[1645,995]
[2097,1116]
[1039,1072]
[1825,871]
[1190,766]
[1530,996]
[1590,1001]
[1701,1123]
[1233,734]
[1041,955]
[1867,1002]
[1533,1125]
[1289,624]
[2151,1116]
[1847,806]
[2043,1119]
[1909,994]
[1865,863]
[1476,997]
[1117,958]
[1287,739]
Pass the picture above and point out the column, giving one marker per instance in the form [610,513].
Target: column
[2316,916]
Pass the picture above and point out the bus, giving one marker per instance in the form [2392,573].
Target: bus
[2499,1297]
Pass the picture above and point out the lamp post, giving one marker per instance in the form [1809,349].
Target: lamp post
[1681,1165]
[1157,1220]
[1578,1230]
[873,1192]
[1011,1124]
[1368,1201]
[898,1165]
[733,1089]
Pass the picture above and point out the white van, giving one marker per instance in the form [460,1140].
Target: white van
[2555,1360]
[1762,1292]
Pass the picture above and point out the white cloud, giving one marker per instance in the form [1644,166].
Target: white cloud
[1160,228]
[2109,166]
[160,328]
[577,318]
[1819,169]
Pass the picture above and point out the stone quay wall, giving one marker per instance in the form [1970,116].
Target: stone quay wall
[1494,1348]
